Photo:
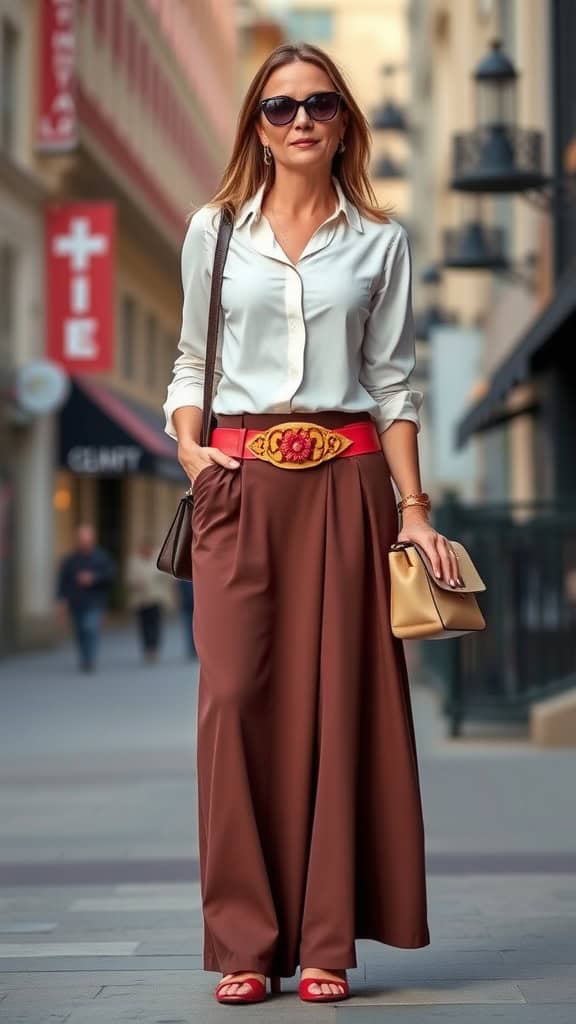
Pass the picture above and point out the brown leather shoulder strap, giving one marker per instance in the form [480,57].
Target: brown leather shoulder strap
[222,242]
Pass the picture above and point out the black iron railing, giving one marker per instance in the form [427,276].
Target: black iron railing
[497,157]
[526,553]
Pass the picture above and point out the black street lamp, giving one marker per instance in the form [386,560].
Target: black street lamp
[497,156]
[389,116]
[474,246]
[433,313]
[387,167]
[390,119]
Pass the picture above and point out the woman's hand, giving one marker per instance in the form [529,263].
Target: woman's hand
[194,458]
[416,528]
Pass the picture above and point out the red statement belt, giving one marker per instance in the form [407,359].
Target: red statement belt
[295,445]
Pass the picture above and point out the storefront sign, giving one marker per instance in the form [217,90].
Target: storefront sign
[57,122]
[80,285]
[104,459]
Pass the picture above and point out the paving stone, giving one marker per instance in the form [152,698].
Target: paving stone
[549,990]
[491,971]
[289,1010]
[549,1013]
[27,927]
[66,949]
[161,889]
[103,963]
[167,947]
[61,979]
[542,953]
[38,1017]
[437,992]
[60,999]
[128,904]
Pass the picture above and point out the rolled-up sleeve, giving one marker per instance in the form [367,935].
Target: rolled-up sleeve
[388,347]
[187,384]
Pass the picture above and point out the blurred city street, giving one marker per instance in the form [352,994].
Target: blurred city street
[99,900]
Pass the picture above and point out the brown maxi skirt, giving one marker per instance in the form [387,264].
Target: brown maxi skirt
[310,820]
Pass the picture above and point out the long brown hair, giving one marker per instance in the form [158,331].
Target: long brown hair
[246,170]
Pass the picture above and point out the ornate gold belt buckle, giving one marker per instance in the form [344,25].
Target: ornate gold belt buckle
[295,445]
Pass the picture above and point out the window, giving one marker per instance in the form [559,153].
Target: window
[150,366]
[7,302]
[315,25]
[128,331]
[9,43]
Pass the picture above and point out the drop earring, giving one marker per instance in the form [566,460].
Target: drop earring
[341,146]
[267,156]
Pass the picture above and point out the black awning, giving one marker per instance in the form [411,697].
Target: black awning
[104,433]
[517,367]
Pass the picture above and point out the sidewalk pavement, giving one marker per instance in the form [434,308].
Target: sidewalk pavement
[100,919]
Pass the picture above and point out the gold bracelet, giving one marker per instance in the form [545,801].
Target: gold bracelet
[414,499]
[415,504]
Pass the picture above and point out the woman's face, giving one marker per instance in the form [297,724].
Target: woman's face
[304,143]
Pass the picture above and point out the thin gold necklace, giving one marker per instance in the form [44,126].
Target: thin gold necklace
[282,233]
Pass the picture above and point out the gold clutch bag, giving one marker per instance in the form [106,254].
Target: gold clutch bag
[423,607]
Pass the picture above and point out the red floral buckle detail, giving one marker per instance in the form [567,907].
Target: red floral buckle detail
[298,445]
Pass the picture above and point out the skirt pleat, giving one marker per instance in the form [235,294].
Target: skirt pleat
[310,820]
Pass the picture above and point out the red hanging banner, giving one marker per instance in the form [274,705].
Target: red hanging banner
[57,123]
[80,246]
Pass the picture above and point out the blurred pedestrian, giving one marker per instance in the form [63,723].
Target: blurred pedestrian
[186,594]
[308,792]
[84,581]
[150,594]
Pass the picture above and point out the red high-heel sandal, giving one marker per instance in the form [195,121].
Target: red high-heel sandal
[323,997]
[257,992]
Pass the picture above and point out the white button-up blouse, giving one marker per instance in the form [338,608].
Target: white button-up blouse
[332,331]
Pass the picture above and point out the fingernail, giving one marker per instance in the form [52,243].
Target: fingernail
[452,583]
[233,463]
[437,575]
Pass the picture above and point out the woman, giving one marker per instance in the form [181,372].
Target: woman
[309,805]
[150,592]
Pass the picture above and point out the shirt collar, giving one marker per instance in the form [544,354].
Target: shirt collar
[253,207]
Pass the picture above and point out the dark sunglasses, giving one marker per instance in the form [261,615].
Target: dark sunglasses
[281,110]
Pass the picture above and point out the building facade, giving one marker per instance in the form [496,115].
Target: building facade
[516,411]
[122,111]
[495,169]
[527,406]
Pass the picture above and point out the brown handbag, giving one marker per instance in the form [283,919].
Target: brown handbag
[423,607]
[175,555]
